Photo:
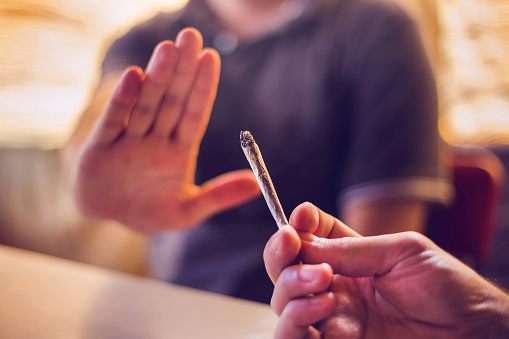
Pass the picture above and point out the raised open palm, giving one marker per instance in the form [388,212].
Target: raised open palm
[138,166]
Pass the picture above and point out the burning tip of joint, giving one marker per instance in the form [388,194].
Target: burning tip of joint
[246,139]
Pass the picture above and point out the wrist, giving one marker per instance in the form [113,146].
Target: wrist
[493,315]
[500,318]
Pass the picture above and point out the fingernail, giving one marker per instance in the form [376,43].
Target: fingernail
[181,38]
[308,273]
[327,267]
[178,40]
[274,245]
[280,238]
[130,83]
[321,299]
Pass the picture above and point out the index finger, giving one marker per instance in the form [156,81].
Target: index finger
[112,122]
[367,256]
[281,251]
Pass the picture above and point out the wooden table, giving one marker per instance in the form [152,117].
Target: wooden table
[47,297]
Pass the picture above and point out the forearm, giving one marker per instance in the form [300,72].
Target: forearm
[488,314]
[498,324]
[385,218]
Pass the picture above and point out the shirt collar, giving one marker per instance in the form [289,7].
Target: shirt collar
[206,21]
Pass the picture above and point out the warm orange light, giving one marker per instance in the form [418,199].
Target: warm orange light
[474,71]
[51,52]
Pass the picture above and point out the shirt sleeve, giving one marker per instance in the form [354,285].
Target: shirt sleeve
[395,151]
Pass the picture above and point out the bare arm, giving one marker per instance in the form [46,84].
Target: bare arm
[386,217]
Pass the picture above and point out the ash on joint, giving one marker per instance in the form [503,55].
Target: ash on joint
[246,139]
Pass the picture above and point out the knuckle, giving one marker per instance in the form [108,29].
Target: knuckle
[110,124]
[415,240]
[185,70]
[172,100]
[344,241]
[155,81]
[194,116]
[119,103]
[143,109]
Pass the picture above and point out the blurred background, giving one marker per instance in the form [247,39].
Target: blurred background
[51,52]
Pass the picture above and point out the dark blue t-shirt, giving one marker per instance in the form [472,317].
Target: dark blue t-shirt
[342,104]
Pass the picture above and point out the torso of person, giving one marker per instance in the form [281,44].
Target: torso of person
[304,92]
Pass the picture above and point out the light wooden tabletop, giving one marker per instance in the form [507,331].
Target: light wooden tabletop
[47,297]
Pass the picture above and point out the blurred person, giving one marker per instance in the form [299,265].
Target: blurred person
[338,94]
[388,286]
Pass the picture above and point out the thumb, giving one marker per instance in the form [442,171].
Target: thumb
[308,218]
[223,192]
[363,257]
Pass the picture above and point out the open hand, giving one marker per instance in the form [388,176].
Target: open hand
[391,286]
[138,166]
